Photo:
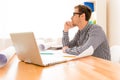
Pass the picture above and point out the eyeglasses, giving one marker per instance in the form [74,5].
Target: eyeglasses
[77,13]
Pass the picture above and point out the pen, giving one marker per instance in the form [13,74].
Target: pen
[47,53]
[70,56]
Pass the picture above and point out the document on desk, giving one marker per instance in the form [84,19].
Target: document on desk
[6,55]
[57,53]
[85,53]
[89,51]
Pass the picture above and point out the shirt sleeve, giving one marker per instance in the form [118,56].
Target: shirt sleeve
[65,40]
[96,37]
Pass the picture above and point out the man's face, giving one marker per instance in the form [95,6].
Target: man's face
[76,17]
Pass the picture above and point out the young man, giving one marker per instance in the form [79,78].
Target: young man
[90,38]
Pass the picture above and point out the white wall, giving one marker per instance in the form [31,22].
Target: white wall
[101,14]
[114,22]
[44,17]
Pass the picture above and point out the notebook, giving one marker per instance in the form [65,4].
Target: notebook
[28,51]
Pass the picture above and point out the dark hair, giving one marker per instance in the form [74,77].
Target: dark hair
[84,9]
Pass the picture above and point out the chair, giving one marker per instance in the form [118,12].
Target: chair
[115,53]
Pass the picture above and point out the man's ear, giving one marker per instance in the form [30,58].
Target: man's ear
[83,15]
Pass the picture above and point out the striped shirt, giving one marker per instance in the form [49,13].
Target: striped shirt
[90,35]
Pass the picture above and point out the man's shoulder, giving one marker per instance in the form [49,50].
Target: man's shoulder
[95,27]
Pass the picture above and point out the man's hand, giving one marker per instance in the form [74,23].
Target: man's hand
[64,48]
[67,26]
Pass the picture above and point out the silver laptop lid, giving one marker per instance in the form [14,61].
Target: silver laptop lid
[26,47]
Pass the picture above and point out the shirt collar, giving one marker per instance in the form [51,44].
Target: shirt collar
[85,28]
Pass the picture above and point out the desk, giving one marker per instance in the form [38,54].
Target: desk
[87,68]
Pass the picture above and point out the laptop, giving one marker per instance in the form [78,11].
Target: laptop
[28,51]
